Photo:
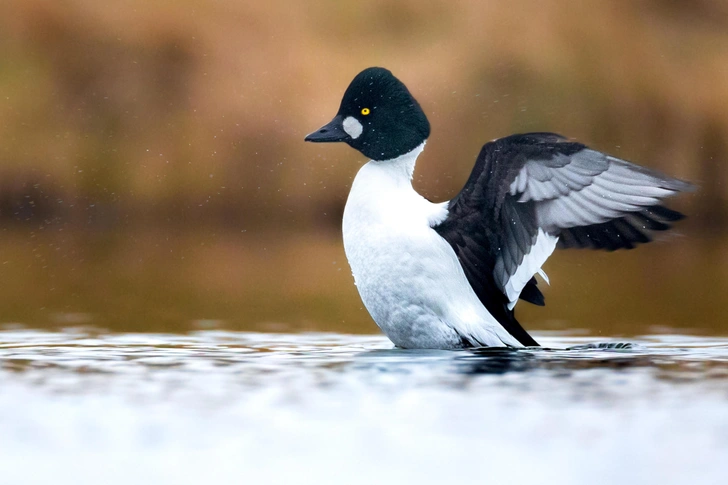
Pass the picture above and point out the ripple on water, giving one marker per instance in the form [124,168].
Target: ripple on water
[314,408]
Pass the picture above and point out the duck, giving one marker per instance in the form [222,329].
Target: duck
[448,275]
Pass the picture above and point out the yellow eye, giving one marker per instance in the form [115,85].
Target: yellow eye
[365,111]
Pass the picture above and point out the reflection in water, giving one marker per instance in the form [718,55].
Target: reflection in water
[91,351]
[497,361]
[256,354]
[605,355]
[470,361]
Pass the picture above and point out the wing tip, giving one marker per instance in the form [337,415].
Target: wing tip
[680,186]
[626,232]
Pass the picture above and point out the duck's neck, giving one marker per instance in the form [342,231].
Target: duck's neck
[382,193]
[398,170]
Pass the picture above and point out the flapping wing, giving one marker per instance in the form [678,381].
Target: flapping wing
[528,192]
[590,199]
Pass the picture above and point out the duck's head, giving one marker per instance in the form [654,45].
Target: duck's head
[378,116]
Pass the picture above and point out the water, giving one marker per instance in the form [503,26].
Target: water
[78,406]
[213,356]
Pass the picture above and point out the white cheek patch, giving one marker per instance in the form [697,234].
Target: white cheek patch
[352,127]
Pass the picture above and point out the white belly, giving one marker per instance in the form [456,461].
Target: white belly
[398,277]
[409,277]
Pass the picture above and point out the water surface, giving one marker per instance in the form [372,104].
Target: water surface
[79,406]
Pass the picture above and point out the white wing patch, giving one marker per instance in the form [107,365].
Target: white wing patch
[531,264]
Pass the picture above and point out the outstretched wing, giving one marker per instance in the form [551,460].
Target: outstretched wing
[528,192]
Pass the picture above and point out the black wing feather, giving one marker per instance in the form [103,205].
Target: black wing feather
[495,221]
[541,181]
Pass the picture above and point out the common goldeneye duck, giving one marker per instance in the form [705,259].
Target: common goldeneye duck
[448,275]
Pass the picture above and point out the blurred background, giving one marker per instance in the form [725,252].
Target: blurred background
[153,175]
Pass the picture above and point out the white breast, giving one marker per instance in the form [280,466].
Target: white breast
[408,276]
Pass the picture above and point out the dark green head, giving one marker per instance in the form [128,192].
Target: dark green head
[378,116]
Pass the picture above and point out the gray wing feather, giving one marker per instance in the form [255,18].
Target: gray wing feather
[589,188]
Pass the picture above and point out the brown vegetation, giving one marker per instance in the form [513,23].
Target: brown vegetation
[187,111]
[153,174]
